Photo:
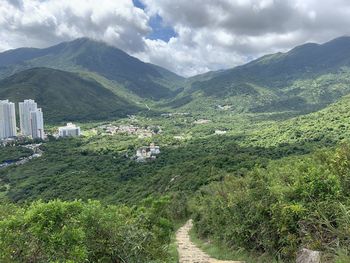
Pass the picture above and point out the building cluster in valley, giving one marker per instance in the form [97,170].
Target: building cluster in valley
[110,129]
[31,120]
[147,153]
[175,114]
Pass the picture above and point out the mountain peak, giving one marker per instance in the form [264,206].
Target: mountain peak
[85,54]
[86,40]
[79,43]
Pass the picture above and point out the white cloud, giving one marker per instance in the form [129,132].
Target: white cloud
[43,22]
[216,34]
[211,34]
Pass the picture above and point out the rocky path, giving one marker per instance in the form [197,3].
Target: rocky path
[189,252]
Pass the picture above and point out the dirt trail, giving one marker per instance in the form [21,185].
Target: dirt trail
[189,252]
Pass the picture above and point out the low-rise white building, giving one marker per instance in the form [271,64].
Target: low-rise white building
[71,130]
[219,132]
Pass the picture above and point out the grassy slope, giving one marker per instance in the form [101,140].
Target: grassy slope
[65,96]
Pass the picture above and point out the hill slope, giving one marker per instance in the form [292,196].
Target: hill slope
[307,78]
[326,127]
[64,96]
[143,79]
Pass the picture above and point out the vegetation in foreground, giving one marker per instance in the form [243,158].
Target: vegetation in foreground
[269,196]
[293,203]
[79,231]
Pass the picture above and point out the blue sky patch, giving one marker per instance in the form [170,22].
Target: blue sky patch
[138,4]
[159,29]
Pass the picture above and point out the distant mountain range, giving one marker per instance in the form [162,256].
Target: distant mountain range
[93,80]
[306,78]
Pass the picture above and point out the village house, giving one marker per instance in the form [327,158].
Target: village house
[147,153]
[219,132]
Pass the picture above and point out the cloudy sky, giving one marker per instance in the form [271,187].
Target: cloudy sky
[185,36]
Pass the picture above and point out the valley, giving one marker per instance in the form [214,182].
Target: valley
[257,156]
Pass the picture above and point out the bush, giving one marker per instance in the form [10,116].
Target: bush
[293,203]
[76,231]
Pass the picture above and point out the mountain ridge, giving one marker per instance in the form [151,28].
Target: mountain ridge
[304,79]
[280,79]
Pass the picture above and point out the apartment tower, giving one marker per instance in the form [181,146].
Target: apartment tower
[7,119]
[37,124]
[31,119]
[25,108]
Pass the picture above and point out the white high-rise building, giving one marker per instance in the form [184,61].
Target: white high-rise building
[25,108]
[37,124]
[31,119]
[71,130]
[7,119]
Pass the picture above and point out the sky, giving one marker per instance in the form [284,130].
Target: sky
[188,37]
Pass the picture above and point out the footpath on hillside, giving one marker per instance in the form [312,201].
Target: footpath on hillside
[189,252]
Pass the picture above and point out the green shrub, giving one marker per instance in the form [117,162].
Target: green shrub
[293,203]
[75,231]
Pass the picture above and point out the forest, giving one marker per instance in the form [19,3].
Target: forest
[267,187]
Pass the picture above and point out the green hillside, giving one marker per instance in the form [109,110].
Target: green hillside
[143,79]
[326,127]
[305,79]
[65,96]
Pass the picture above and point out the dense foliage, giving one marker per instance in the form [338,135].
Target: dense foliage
[84,232]
[276,214]
[13,153]
[325,127]
[293,203]
[96,168]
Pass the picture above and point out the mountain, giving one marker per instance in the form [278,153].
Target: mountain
[306,78]
[65,96]
[143,79]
